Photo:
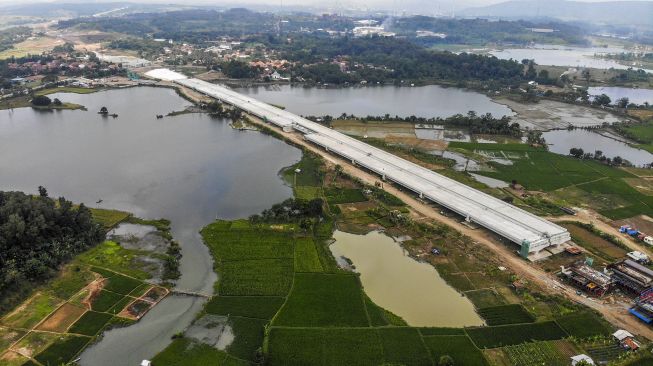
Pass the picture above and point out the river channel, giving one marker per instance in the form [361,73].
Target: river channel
[411,289]
[189,168]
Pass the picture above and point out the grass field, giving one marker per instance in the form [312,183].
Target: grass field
[595,244]
[344,195]
[109,218]
[322,300]
[507,335]
[485,298]
[32,46]
[111,255]
[540,170]
[506,314]
[69,89]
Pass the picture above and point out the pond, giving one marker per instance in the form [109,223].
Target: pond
[561,141]
[189,168]
[634,95]
[563,56]
[408,288]
[422,101]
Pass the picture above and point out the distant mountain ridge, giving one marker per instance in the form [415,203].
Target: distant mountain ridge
[612,12]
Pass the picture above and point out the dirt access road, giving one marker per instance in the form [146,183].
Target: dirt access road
[616,313]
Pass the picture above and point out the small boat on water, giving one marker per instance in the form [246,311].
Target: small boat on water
[159,116]
[114,115]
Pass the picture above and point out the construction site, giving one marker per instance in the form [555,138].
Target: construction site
[532,233]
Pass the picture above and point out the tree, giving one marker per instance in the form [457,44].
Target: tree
[56,102]
[622,102]
[617,160]
[576,152]
[43,192]
[598,155]
[41,101]
[602,100]
[445,360]
[586,75]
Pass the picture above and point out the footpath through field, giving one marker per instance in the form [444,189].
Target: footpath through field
[616,314]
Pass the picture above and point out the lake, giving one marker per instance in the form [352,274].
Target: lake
[637,96]
[563,56]
[410,289]
[422,101]
[190,169]
[561,141]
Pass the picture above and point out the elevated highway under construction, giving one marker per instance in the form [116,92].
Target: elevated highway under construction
[529,231]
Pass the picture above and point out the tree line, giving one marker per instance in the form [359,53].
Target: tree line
[37,235]
[485,124]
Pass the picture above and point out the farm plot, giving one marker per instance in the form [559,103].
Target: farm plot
[321,300]
[90,323]
[185,352]
[289,346]
[61,319]
[105,300]
[306,258]
[507,335]
[458,347]
[506,314]
[32,312]
[403,346]
[536,354]
[584,325]
[259,307]
[263,277]
[62,351]
[248,337]
[603,351]
[8,337]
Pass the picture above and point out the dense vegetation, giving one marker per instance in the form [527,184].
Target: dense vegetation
[13,35]
[37,235]
[484,124]
[394,58]
[483,31]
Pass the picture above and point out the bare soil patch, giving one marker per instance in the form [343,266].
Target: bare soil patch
[62,319]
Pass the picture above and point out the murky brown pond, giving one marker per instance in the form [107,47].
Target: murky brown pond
[393,280]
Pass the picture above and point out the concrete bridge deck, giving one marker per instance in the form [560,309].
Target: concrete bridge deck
[494,214]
